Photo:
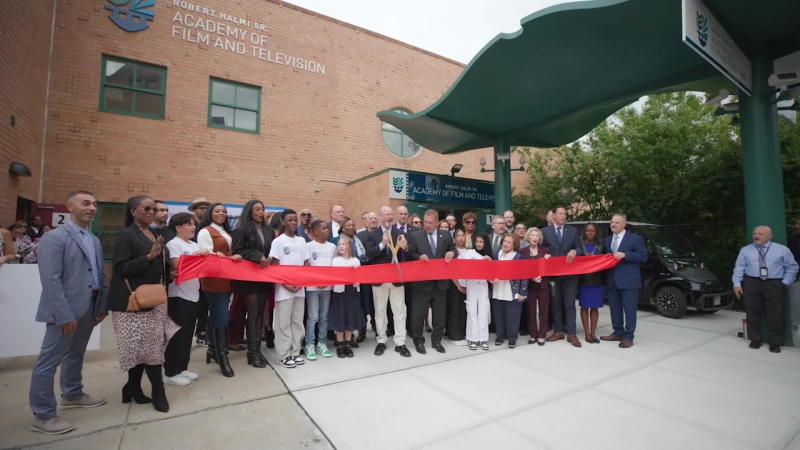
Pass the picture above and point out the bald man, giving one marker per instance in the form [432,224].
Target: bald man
[337,219]
[763,272]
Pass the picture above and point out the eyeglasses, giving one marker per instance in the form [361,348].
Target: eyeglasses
[469,222]
[305,214]
[149,209]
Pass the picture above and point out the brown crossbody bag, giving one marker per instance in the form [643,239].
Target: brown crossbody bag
[148,295]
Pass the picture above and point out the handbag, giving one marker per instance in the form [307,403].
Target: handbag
[148,295]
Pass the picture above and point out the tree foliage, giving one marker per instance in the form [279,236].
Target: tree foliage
[671,162]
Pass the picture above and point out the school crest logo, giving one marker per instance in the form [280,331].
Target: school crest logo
[315,255]
[135,17]
[286,250]
[397,184]
[702,29]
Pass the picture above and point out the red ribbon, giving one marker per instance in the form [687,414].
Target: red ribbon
[192,267]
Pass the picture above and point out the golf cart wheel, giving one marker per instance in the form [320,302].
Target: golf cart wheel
[671,302]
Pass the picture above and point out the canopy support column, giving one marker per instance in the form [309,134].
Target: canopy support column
[761,160]
[502,175]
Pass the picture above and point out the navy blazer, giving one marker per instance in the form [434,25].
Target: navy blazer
[570,240]
[418,245]
[374,253]
[517,286]
[626,274]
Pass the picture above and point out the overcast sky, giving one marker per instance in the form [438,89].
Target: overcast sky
[457,29]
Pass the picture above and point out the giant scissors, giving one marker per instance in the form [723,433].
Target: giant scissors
[394,247]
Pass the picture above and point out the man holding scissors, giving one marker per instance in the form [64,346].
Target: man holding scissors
[387,244]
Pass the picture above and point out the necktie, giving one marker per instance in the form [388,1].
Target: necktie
[403,228]
[558,234]
[762,261]
[615,244]
[433,244]
[495,243]
[87,241]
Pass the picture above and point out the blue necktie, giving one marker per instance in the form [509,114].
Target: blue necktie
[87,241]
[558,234]
[433,244]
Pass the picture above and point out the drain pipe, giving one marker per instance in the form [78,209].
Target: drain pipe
[47,101]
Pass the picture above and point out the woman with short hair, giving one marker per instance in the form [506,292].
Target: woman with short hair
[538,288]
[140,259]
[508,295]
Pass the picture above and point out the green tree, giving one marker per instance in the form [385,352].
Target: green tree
[672,162]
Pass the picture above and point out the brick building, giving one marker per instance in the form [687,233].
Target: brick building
[226,99]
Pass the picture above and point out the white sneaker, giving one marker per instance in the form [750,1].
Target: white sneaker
[473,345]
[177,380]
[190,375]
[288,362]
[311,353]
[459,343]
[484,345]
[299,361]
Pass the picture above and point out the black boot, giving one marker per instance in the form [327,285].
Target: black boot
[254,356]
[270,339]
[220,350]
[133,388]
[260,324]
[210,342]
[160,402]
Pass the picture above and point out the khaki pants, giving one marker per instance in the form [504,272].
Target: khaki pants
[382,295]
[288,324]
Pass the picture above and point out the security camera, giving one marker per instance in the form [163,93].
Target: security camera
[783,80]
[717,98]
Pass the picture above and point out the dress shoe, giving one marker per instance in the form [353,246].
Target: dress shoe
[403,351]
[574,341]
[499,341]
[512,344]
[611,337]
[362,336]
[380,349]
[353,342]
[626,344]
[531,341]
[775,348]
[555,337]
[755,345]
[438,347]
[390,333]
[420,349]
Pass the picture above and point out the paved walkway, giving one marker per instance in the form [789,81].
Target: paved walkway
[688,384]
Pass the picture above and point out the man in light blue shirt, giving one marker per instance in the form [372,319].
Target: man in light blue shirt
[763,271]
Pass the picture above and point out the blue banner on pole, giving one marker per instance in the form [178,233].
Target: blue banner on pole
[443,189]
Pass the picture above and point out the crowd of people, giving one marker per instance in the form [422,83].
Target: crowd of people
[297,322]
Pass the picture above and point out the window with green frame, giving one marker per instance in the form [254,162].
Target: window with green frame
[234,106]
[133,88]
[109,219]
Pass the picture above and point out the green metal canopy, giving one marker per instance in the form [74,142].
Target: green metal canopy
[572,65]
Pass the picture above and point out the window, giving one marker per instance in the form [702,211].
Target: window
[110,218]
[133,88]
[234,106]
[397,141]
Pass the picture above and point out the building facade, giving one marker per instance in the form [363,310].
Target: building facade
[224,99]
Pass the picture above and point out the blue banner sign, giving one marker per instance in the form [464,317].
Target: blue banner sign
[443,189]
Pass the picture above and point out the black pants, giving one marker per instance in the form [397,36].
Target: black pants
[437,298]
[184,314]
[409,304]
[765,298]
[506,318]
[202,313]
[456,314]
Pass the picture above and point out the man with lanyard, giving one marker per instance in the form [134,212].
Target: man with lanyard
[763,271]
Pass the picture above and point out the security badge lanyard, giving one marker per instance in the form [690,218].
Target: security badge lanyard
[762,270]
[394,247]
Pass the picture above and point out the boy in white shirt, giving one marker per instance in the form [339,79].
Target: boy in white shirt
[288,249]
[318,298]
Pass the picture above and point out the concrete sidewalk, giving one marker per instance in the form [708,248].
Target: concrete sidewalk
[686,383]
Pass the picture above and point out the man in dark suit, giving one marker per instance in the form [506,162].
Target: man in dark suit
[563,240]
[378,252]
[366,297]
[35,228]
[337,219]
[624,281]
[74,301]
[425,244]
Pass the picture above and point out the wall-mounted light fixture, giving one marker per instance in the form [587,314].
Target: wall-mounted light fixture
[455,169]
[19,169]
[503,158]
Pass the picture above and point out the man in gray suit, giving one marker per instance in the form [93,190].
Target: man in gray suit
[73,302]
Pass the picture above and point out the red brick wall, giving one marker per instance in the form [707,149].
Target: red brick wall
[312,126]
[25,30]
